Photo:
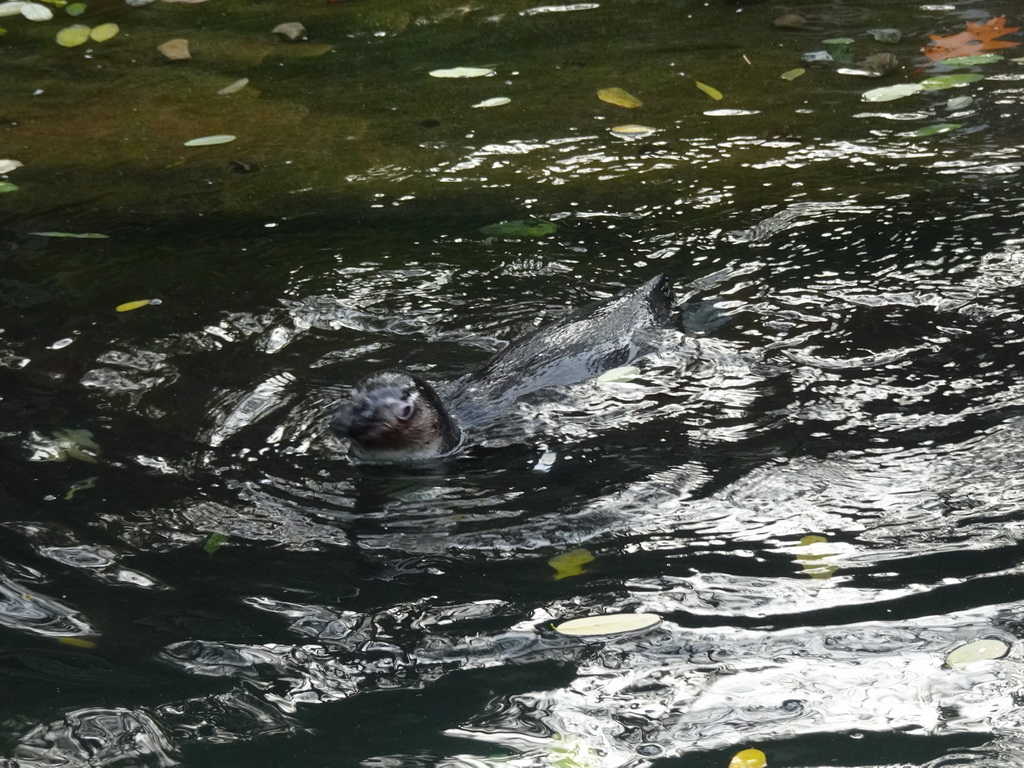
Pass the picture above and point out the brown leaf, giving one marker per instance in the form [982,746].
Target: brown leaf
[975,39]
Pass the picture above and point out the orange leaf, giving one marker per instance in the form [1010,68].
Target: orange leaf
[975,39]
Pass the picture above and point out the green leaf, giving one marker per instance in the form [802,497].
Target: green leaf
[215,541]
[103,32]
[612,624]
[619,98]
[78,235]
[81,485]
[792,74]
[931,130]
[76,9]
[942,82]
[714,93]
[76,34]
[838,41]
[6,186]
[892,92]
[968,61]
[520,228]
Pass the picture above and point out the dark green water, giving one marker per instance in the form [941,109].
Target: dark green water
[202,577]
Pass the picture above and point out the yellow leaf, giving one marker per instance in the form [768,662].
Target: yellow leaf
[89,482]
[77,642]
[104,32]
[714,93]
[570,563]
[749,758]
[74,35]
[792,74]
[128,306]
[816,561]
[619,98]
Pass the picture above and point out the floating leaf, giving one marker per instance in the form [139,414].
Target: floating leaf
[942,82]
[6,186]
[76,444]
[612,624]
[520,228]
[76,642]
[839,41]
[959,102]
[979,650]
[36,12]
[104,32]
[209,141]
[75,9]
[89,482]
[973,40]
[128,306]
[74,35]
[290,31]
[792,74]
[235,87]
[214,542]
[749,758]
[931,130]
[632,131]
[731,112]
[497,101]
[714,93]
[619,98]
[6,166]
[570,563]
[815,559]
[76,235]
[892,92]
[461,72]
[624,373]
[545,462]
[970,61]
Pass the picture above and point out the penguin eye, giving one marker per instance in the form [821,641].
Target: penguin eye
[404,411]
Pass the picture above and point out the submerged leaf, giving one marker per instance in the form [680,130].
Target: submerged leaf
[612,624]
[461,72]
[623,373]
[76,642]
[959,102]
[6,186]
[714,93]
[815,559]
[497,101]
[76,235]
[235,87]
[81,485]
[104,32]
[942,82]
[75,9]
[214,542]
[931,130]
[72,36]
[175,50]
[209,141]
[792,74]
[892,92]
[570,563]
[969,61]
[619,98]
[520,228]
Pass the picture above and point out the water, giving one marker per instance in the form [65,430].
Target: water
[816,485]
